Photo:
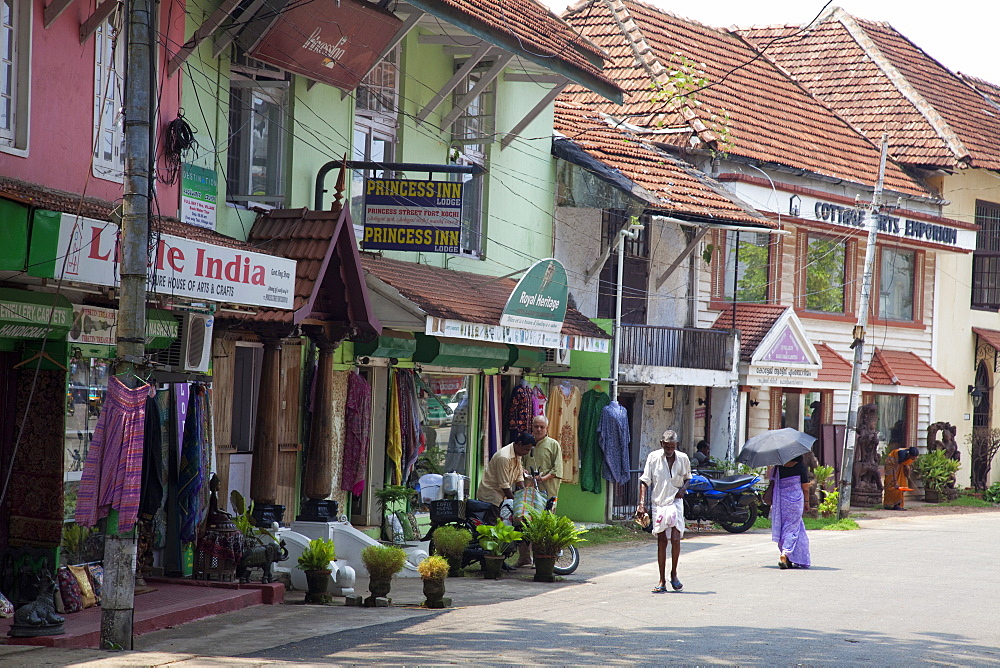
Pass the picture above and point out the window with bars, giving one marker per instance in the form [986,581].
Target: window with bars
[109,84]
[476,124]
[635,270]
[986,258]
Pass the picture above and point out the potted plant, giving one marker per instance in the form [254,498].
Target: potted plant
[315,561]
[382,562]
[433,571]
[450,542]
[392,498]
[495,540]
[937,471]
[549,534]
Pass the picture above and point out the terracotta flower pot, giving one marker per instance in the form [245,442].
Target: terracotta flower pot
[544,565]
[492,567]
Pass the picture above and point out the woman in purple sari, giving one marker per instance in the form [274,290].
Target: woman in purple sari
[789,493]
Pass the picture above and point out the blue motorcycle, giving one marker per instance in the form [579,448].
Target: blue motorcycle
[730,501]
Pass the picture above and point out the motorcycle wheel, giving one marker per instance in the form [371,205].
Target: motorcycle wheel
[733,527]
[567,561]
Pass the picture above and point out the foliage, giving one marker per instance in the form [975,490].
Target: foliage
[318,555]
[816,524]
[846,524]
[751,282]
[825,275]
[549,533]
[616,534]
[993,493]
[73,538]
[451,541]
[983,447]
[968,502]
[736,467]
[823,477]
[497,538]
[243,519]
[383,561]
[431,460]
[936,469]
[828,506]
[433,568]
[391,496]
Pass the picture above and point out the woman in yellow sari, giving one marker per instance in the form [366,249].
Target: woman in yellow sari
[897,472]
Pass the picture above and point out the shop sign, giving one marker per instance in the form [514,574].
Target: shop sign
[786,350]
[180,267]
[199,195]
[458,329]
[408,215]
[335,43]
[26,315]
[538,302]
[96,325]
[894,226]
[779,376]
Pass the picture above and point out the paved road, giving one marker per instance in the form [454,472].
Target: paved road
[902,591]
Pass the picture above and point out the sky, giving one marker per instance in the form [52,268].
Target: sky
[960,35]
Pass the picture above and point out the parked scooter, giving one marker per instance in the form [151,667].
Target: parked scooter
[730,501]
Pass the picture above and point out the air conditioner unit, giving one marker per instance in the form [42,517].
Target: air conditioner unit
[556,359]
[196,341]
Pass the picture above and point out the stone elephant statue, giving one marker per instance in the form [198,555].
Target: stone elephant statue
[261,556]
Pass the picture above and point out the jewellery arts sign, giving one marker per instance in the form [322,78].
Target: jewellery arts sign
[85,250]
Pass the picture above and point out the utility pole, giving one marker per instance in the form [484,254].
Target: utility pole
[119,548]
[847,464]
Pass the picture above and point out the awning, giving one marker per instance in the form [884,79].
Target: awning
[837,370]
[14,249]
[902,372]
[990,336]
[460,353]
[389,344]
[33,315]
[525,358]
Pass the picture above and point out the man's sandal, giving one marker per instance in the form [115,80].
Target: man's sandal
[676,584]
[660,589]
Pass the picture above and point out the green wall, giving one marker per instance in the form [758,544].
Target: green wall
[582,506]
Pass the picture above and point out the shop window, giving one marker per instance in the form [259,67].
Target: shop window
[892,420]
[15,73]
[86,388]
[258,114]
[109,84]
[635,272]
[986,258]
[746,267]
[897,274]
[825,274]
[444,420]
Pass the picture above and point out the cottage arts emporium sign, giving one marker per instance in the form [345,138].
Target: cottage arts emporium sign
[180,266]
[335,42]
[403,214]
[538,302]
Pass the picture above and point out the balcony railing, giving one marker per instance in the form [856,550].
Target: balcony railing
[683,347]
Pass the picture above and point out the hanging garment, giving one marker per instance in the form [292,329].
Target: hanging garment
[520,412]
[193,466]
[112,474]
[538,401]
[409,421]
[458,438]
[151,495]
[613,434]
[494,418]
[393,437]
[357,419]
[591,459]
[564,418]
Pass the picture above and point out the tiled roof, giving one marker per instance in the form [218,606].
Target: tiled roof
[460,295]
[835,369]
[537,31]
[323,247]
[754,322]
[902,367]
[990,91]
[990,336]
[676,186]
[879,81]
[769,117]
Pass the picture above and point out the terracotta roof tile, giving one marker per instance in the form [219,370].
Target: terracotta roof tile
[835,369]
[902,367]
[879,81]
[753,321]
[770,117]
[460,295]
[679,187]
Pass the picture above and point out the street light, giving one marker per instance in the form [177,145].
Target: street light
[630,231]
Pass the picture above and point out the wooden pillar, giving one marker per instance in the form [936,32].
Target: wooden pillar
[264,468]
[318,483]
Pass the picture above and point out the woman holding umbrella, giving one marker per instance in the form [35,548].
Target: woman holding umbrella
[788,489]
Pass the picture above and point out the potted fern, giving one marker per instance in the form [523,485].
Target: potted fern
[495,540]
[382,563]
[433,571]
[450,542]
[315,561]
[549,534]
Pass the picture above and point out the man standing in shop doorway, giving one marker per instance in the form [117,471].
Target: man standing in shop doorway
[667,474]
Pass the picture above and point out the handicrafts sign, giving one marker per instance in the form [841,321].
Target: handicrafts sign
[403,214]
[538,302]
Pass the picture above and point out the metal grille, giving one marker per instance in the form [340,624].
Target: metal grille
[986,260]
[683,347]
[626,497]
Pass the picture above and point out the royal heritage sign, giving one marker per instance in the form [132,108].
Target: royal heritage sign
[538,302]
[85,250]
[409,215]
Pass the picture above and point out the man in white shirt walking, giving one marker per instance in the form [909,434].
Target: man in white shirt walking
[667,473]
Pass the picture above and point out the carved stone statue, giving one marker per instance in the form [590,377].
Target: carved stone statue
[38,617]
[947,442]
[866,486]
[815,426]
